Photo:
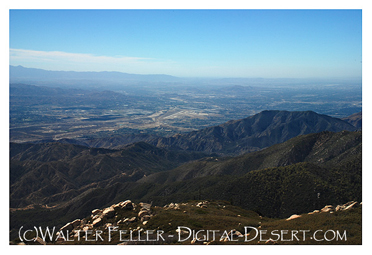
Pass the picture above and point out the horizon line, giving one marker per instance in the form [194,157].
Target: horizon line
[193,77]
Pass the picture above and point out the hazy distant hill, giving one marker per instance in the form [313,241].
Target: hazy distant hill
[22,74]
[355,120]
[254,133]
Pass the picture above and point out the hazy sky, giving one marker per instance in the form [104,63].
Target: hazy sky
[201,43]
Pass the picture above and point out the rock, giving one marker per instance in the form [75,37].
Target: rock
[355,204]
[146,218]
[347,206]
[315,211]
[108,213]
[107,225]
[87,227]
[67,227]
[131,220]
[128,205]
[118,205]
[195,241]
[270,241]
[96,217]
[339,208]
[182,232]
[226,239]
[174,206]
[97,222]
[235,233]
[145,222]
[39,240]
[143,213]
[76,223]
[294,216]
[96,211]
[348,203]
[327,208]
[76,234]
[202,204]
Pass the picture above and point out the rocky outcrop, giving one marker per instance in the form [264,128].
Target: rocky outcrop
[332,209]
[294,216]
[327,208]
[174,206]
[202,204]
[108,213]
[235,233]
[344,207]
[97,222]
[99,218]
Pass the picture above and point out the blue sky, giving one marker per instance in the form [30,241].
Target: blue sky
[191,43]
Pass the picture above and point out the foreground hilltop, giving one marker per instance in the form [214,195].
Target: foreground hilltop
[204,222]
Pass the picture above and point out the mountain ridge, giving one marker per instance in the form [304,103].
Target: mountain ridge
[20,73]
[234,137]
[254,132]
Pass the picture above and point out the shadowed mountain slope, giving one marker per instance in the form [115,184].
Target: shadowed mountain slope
[254,133]
[325,148]
[54,172]
[355,120]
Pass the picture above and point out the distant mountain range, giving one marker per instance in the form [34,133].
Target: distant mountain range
[19,74]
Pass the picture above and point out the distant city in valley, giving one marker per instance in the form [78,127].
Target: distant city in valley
[56,105]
